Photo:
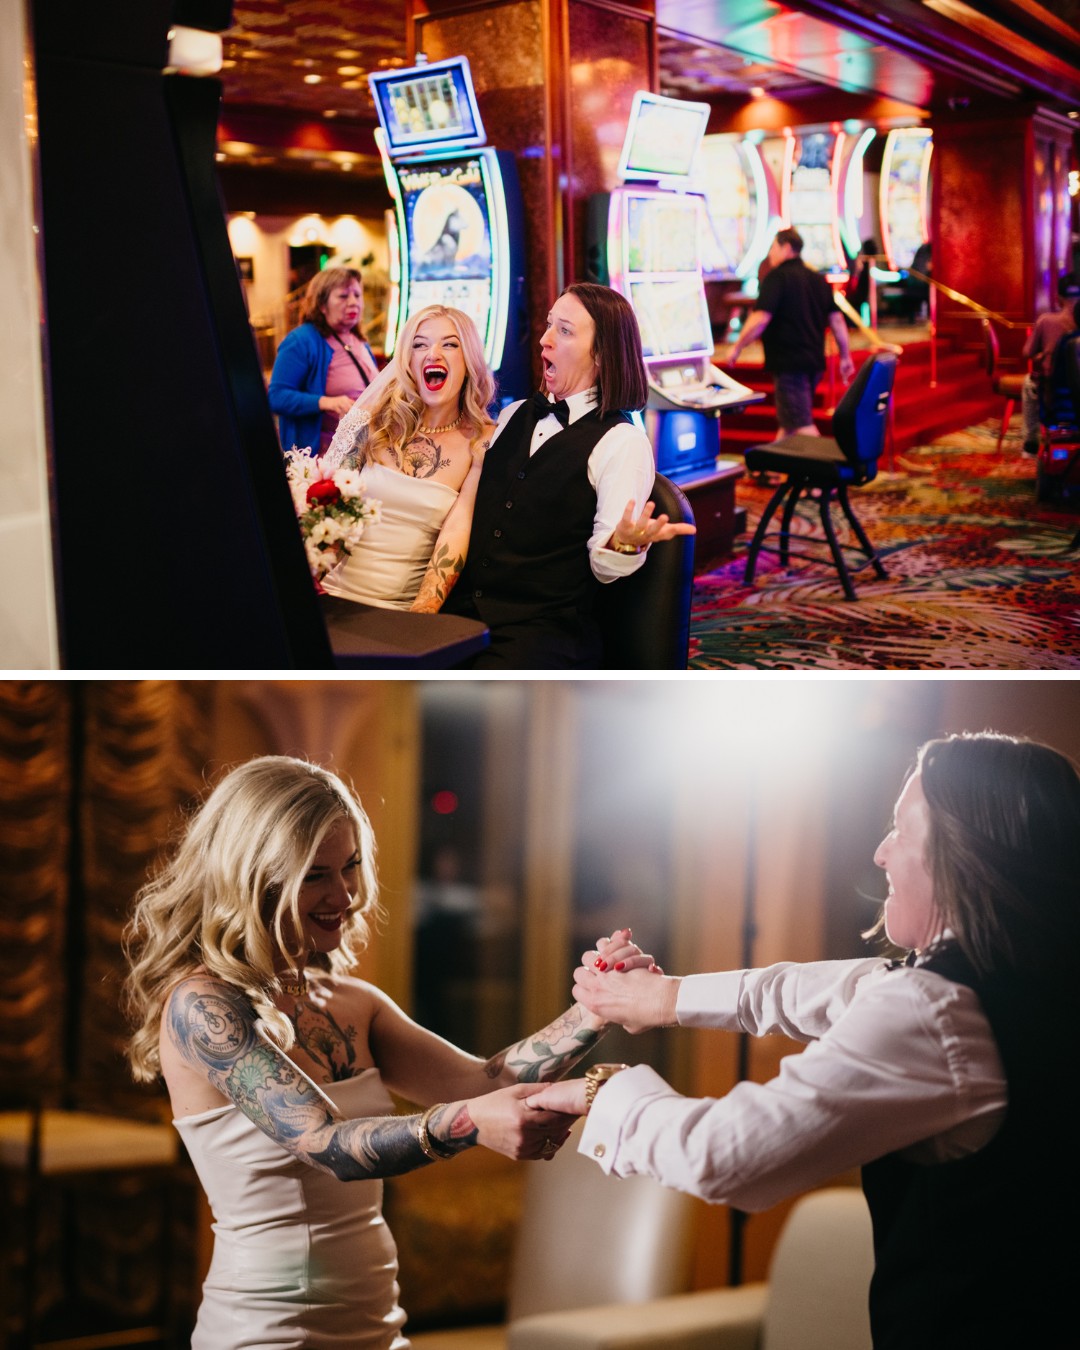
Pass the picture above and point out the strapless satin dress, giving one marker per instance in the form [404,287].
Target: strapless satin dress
[387,567]
[301,1260]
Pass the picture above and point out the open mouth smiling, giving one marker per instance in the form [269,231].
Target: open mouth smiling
[435,377]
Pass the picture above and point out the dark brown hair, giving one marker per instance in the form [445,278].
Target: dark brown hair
[621,382]
[1004,848]
[790,236]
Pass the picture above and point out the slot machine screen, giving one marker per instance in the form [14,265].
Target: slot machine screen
[448,227]
[662,233]
[672,315]
[662,137]
[810,201]
[904,189]
[430,107]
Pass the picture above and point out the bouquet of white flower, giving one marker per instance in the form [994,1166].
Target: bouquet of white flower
[333,512]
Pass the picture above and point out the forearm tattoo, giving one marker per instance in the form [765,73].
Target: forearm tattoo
[442,573]
[214,1030]
[548,1053]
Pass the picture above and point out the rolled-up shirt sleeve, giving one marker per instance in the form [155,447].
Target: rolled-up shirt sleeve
[906,1058]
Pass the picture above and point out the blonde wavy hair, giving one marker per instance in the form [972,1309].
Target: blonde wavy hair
[395,421]
[226,900]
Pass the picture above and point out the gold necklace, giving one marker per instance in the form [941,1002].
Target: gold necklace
[295,988]
[438,431]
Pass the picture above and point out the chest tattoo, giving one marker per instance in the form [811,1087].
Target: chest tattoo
[421,458]
[329,1045]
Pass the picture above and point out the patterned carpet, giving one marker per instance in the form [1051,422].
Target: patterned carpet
[978,576]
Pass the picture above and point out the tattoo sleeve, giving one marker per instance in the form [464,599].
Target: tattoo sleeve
[549,1053]
[212,1025]
[439,579]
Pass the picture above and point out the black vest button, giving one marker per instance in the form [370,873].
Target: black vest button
[521,474]
[483,562]
[498,534]
[509,505]
[478,595]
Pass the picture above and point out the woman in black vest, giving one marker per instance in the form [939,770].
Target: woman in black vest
[563,505]
[945,1077]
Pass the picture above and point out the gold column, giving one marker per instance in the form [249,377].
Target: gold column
[555,80]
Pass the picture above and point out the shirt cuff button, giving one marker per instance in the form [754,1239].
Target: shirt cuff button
[599,1150]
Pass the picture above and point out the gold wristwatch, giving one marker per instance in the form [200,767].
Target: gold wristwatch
[596,1077]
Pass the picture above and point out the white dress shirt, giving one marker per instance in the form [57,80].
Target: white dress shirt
[621,468]
[896,1059]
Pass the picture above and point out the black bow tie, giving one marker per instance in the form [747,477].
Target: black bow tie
[559,409]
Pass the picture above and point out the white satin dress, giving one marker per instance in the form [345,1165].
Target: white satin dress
[388,565]
[301,1260]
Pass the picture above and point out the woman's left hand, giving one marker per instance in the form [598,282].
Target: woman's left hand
[643,531]
[618,952]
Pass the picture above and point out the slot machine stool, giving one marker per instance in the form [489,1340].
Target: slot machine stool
[44,1151]
[824,467]
[1057,464]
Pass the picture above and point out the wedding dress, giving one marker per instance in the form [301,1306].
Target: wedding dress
[388,565]
[300,1259]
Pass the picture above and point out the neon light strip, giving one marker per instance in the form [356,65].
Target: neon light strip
[399,252]
[924,186]
[495,339]
[854,200]
[759,244]
[834,182]
[785,179]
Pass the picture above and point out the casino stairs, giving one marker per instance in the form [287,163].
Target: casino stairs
[962,397]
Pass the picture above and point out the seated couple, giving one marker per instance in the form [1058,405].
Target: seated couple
[530,514]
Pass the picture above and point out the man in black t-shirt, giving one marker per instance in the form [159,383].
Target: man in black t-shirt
[795,306]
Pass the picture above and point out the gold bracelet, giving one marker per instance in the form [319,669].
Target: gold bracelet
[596,1077]
[429,1145]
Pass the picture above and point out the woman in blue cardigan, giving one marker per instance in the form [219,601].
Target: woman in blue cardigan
[323,366]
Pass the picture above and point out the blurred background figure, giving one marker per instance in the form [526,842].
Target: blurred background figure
[324,365]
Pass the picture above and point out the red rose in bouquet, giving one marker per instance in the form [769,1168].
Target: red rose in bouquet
[323,493]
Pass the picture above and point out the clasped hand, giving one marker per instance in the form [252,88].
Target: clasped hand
[619,983]
[507,1124]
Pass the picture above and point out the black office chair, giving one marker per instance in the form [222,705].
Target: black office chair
[824,467]
[645,619]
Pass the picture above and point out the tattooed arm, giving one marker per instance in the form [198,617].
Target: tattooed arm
[424,1068]
[211,1026]
[452,545]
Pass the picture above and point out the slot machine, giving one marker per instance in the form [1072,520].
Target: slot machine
[459,228]
[646,241]
[809,196]
[905,194]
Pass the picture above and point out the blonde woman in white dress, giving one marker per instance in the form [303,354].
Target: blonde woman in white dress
[280,1063]
[418,437]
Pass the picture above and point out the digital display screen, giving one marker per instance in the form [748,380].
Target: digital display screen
[672,315]
[662,137]
[448,227]
[730,203]
[810,202]
[662,233]
[427,107]
[904,185]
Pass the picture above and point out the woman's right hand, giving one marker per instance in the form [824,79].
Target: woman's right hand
[505,1124]
[339,404]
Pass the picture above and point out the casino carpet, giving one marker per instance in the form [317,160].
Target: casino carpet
[978,576]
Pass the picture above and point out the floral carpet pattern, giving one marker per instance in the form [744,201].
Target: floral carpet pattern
[979,575]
